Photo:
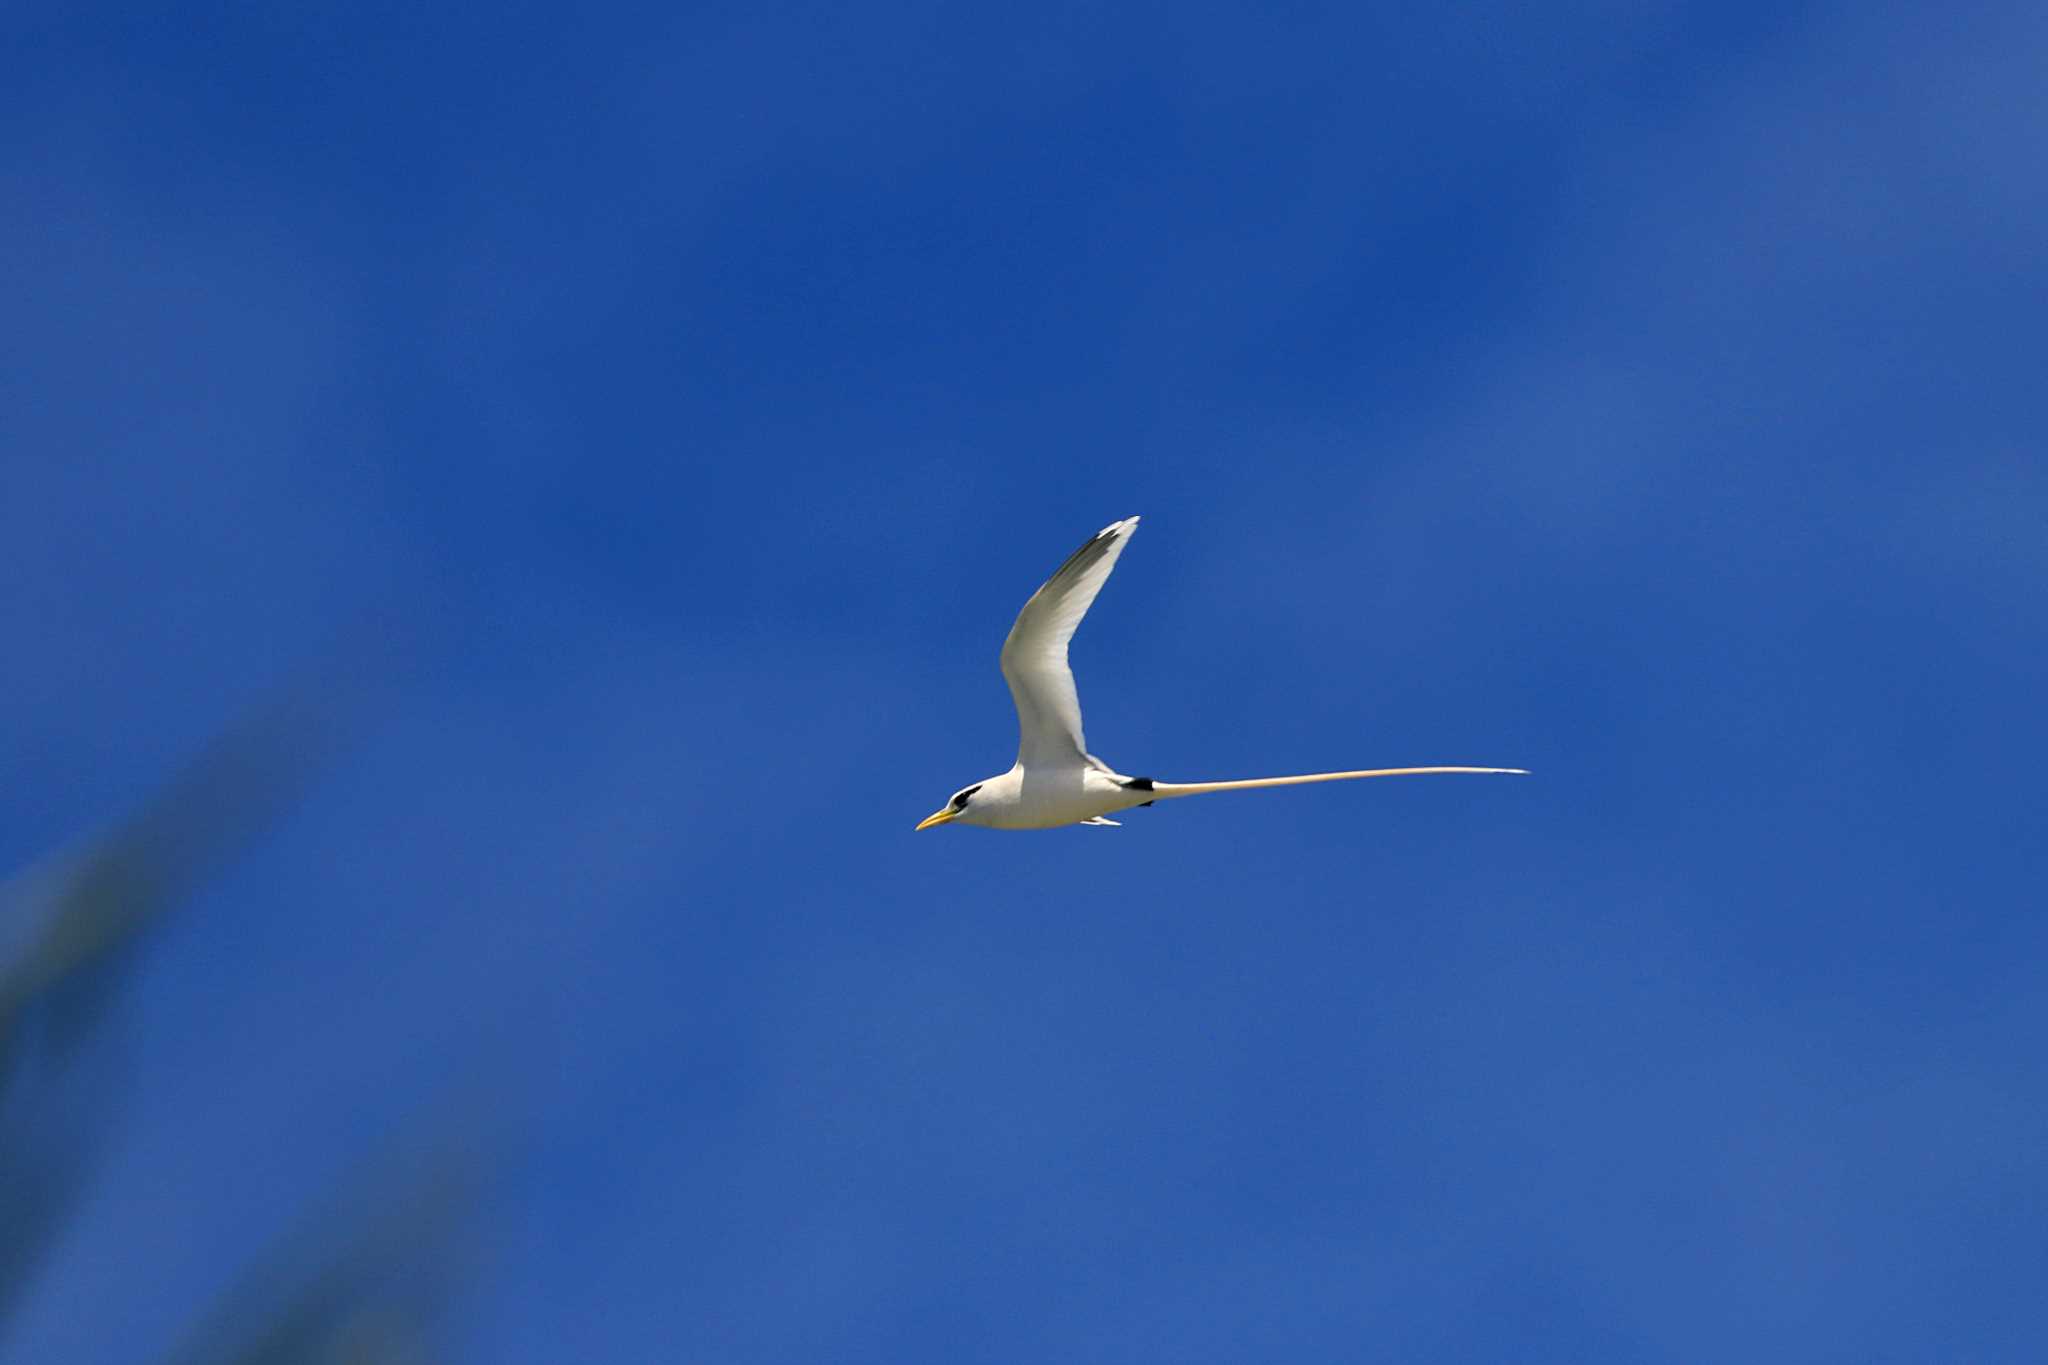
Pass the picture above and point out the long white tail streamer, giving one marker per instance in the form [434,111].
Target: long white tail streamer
[1161,790]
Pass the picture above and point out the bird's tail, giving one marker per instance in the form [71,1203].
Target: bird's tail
[1162,790]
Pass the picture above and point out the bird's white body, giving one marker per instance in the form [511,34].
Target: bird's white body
[1055,780]
[1045,798]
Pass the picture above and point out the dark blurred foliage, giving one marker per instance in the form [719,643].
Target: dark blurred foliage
[363,1276]
[367,1274]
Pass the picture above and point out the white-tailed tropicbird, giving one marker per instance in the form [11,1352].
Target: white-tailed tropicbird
[1055,780]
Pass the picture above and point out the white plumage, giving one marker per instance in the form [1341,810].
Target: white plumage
[1056,781]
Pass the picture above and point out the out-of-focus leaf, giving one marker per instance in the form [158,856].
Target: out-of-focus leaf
[71,921]
[364,1277]
[87,901]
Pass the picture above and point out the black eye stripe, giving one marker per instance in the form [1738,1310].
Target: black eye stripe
[960,798]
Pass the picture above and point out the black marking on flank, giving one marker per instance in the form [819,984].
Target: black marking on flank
[1139,784]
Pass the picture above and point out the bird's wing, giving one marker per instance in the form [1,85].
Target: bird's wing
[1035,654]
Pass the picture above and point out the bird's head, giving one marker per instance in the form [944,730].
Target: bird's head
[952,810]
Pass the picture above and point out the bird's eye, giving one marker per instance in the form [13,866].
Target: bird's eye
[960,798]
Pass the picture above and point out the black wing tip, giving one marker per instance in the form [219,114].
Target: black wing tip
[1095,545]
[1138,784]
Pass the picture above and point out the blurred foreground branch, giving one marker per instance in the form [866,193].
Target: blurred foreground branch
[366,1276]
[70,924]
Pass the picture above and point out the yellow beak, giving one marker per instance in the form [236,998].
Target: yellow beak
[938,818]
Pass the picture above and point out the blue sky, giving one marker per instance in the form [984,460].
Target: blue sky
[1643,394]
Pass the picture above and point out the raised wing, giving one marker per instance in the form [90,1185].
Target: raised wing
[1035,654]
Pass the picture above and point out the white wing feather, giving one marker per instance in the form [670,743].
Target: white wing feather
[1035,654]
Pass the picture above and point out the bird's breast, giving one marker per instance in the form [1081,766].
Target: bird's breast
[1047,799]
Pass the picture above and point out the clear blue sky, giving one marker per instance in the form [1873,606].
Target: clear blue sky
[1645,394]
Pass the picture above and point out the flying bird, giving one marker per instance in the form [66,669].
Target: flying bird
[1056,781]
